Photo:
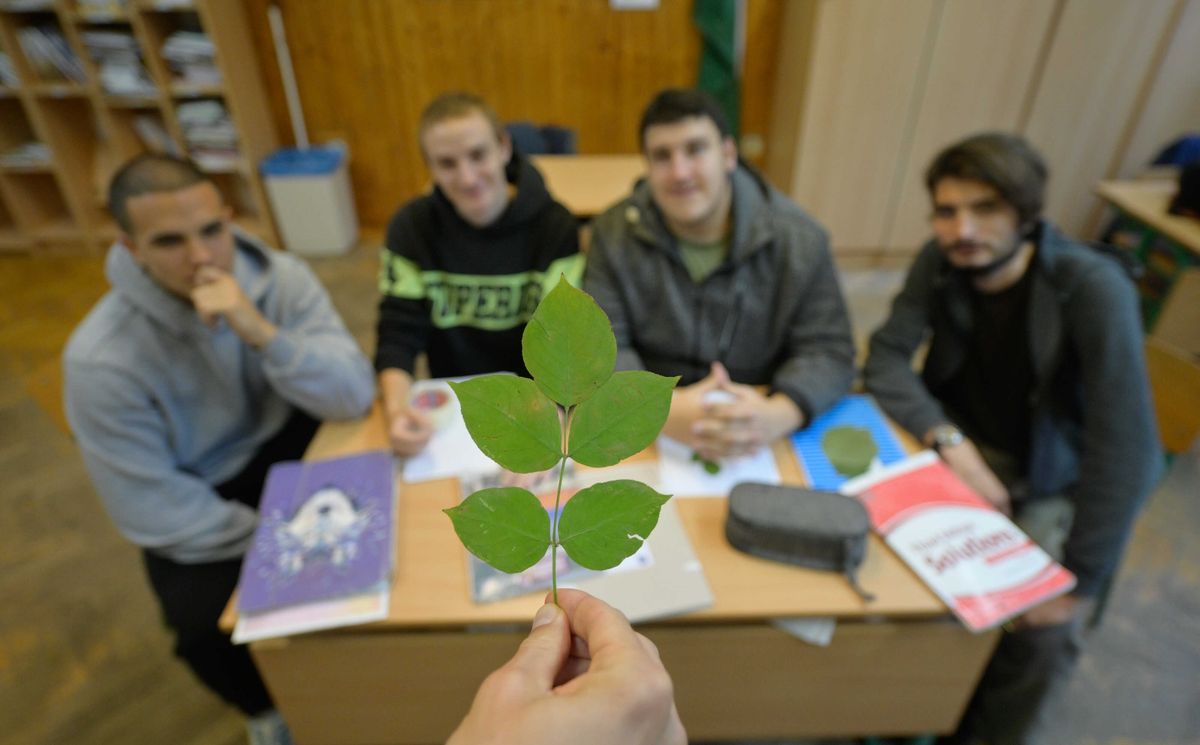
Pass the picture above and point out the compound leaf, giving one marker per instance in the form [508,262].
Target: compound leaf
[607,522]
[511,421]
[622,418]
[568,345]
[507,527]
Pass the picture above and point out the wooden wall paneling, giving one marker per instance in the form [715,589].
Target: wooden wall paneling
[1100,57]
[797,29]
[867,64]
[985,58]
[763,23]
[366,68]
[1172,107]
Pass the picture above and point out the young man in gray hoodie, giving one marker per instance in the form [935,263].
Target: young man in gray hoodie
[710,274]
[211,358]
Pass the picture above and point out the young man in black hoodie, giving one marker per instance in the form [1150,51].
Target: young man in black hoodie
[465,265]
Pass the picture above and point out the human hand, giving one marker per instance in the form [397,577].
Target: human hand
[217,294]
[964,459]
[1060,610]
[688,403]
[409,431]
[601,685]
[742,421]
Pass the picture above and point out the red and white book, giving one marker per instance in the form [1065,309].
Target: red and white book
[970,554]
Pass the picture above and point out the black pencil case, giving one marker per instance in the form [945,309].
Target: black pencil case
[814,529]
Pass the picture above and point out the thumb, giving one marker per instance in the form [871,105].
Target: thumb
[541,655]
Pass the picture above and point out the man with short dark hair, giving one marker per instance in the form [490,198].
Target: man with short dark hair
[211,358]
[464,266]
[1034,391]
[709,273]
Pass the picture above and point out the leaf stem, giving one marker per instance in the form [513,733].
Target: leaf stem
[562,469]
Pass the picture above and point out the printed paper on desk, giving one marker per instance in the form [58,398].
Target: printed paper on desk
[451,452]
[973,557]
[682,476]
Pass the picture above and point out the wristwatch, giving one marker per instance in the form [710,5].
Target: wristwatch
[945,435]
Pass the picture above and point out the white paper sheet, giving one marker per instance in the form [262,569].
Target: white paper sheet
[681,476]
[451,451]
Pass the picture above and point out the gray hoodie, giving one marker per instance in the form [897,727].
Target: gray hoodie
[163,407]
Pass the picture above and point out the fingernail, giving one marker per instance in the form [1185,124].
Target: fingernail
[545,615]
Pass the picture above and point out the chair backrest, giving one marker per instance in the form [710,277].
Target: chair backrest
[1175,386]
[550,139]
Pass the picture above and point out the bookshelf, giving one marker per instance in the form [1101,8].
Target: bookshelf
[87,84]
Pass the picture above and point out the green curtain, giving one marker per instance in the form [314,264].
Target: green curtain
[716,20]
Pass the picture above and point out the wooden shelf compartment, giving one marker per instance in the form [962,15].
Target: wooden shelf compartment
[132,131]
[38,207]
[44,74]
[158,27]
[11,237]
[15,131]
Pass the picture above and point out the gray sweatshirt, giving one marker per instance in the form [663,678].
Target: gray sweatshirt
[164,407]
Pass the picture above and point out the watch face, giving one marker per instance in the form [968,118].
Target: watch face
[946,436]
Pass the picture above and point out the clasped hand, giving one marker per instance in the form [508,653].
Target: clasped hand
[719,418]
[582,676]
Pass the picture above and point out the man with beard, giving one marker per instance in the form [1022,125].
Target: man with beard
[1034,391]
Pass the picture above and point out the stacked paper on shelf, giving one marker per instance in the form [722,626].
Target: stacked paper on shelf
[8,73]
[191,56]
[119,62]
[100,10]
[26,155]
[208,132]
[49,54]
[324,547]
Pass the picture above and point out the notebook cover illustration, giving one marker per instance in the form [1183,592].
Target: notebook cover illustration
[326,530]
[853,412]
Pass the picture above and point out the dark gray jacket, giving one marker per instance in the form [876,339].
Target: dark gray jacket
[1093,431]
[773,313]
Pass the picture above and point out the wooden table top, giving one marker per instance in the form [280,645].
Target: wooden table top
[588,184]
[430,588]
[1147,200]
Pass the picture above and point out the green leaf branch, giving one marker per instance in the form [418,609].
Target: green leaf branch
[575,407]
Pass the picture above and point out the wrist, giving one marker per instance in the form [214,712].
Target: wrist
[943,436]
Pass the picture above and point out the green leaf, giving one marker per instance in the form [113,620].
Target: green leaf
[506,527]
[622,418]
[606,522]
[849,449]
[568,345]
[511,421]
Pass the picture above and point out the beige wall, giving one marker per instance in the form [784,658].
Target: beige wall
[1096,85]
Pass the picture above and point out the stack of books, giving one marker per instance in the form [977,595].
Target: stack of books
[49,54]
[191,57]
[209,134]
[324,549]
[119,62]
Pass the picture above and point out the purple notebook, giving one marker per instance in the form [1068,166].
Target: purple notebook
[326,529]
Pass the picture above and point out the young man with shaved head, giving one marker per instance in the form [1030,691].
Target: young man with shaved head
[211,358]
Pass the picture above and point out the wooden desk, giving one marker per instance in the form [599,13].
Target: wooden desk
[896,666]
[1166,245]
[1147,201]
[589,184]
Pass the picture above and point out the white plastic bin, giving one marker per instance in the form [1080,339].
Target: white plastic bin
[310,195]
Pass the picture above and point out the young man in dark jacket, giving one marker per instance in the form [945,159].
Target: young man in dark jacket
[1034,391]
[465,265]
[710,274]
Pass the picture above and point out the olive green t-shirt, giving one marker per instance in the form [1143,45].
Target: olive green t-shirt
[702,259]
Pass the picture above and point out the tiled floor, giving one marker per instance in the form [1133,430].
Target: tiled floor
[84,659]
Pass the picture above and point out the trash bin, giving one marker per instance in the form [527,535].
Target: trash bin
[309,191]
